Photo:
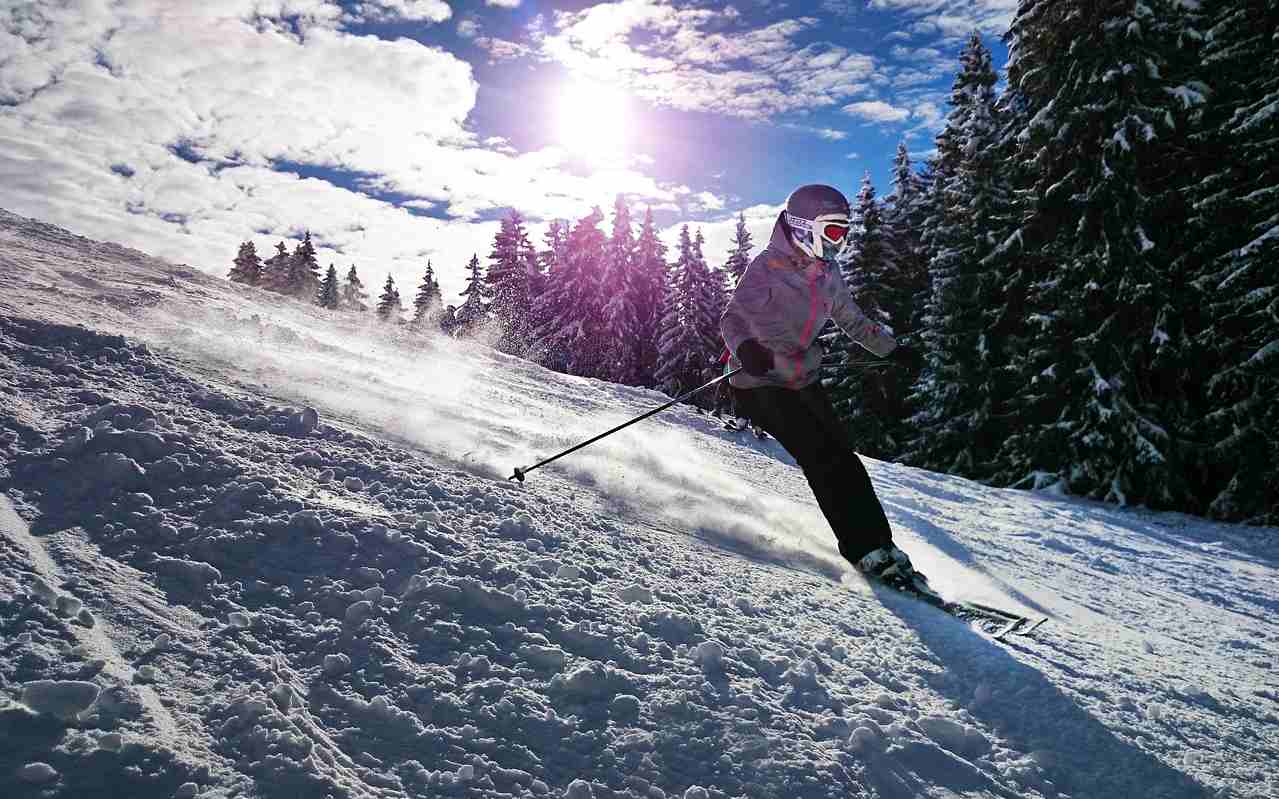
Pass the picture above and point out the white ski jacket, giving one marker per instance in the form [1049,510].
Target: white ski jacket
[783,300]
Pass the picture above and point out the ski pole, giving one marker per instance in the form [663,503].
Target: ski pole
[519,473]
[859,366]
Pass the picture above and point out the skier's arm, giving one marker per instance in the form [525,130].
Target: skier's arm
[860,328]
[749,298]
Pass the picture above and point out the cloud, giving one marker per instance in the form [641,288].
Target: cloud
[182,128]
[416,10]
[953,19]
[829,134]
[930,114]
[721,230]
[877,111]
[916,53]
[502,3]
[703,201]
[468,28]
[853,156]
[503,49]
[706,59]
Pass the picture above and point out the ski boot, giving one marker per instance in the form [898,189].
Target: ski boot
[892,567]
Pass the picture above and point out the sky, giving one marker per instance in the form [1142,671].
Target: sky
[400,131]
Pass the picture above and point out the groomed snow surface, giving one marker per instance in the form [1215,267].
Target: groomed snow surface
[208,591]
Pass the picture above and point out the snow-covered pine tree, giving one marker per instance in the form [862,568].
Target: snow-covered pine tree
[248,266]
[327,296]
[1102,128]
[569,312]
[867,395]
[956,425]
[681,347]
[1233,252]
[722,284]
[870,266]
[428,305]
[353,294]
[740,256]
[473,312]
[903,214]
[556,240]
[621,294]
[303,270]
[708,299]
[275,270]
[512,281]
[650,291]
[553,263]
[448,320]
[389,306]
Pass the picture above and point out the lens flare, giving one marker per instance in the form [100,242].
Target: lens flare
[594,122]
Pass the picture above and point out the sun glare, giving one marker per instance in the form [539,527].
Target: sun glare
[593,122]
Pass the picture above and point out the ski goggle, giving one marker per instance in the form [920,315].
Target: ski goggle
[824,237]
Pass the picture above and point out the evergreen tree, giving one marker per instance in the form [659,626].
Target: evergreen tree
[556,240]
[512,281]
[448,320]
[682,361]
[904,296]
[903,213]
[1232,253]
[1102,128]
[621,295]
[429,303]
[867,395]
[389,306]
[275,270]
[473,311]
[554,264]
[650,285]
[706,305]
[248,266]
[302,271]
[957,421]
[740,256]
[569,312]
[327,296]
[353,293]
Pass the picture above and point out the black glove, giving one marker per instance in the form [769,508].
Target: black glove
[756,359]
[908,357]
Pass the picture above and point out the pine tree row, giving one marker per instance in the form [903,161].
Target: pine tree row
[592,304]
[1089,264]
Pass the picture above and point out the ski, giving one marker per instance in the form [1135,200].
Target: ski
[996,622]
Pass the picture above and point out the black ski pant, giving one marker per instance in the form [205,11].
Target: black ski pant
[804,422]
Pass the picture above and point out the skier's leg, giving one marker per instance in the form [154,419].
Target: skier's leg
[850,480]
[805,425]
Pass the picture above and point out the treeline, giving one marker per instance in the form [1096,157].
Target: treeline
[297,274]
[590,303]
[1090,264]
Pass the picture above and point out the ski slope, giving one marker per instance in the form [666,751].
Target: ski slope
[203,595]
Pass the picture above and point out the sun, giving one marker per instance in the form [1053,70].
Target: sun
[593,122]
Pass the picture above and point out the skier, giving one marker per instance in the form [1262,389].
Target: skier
[771,325]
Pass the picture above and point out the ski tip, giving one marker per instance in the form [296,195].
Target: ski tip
[1035,626]
[1008,628]
[1023,626]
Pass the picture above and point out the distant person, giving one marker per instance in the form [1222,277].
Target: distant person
[771,325]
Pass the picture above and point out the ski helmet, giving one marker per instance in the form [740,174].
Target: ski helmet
[817,217]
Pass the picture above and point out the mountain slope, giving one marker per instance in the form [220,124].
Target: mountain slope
[362,605]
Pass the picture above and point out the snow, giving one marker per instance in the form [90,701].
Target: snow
[1190,96]
[1146,244]
[206,594]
